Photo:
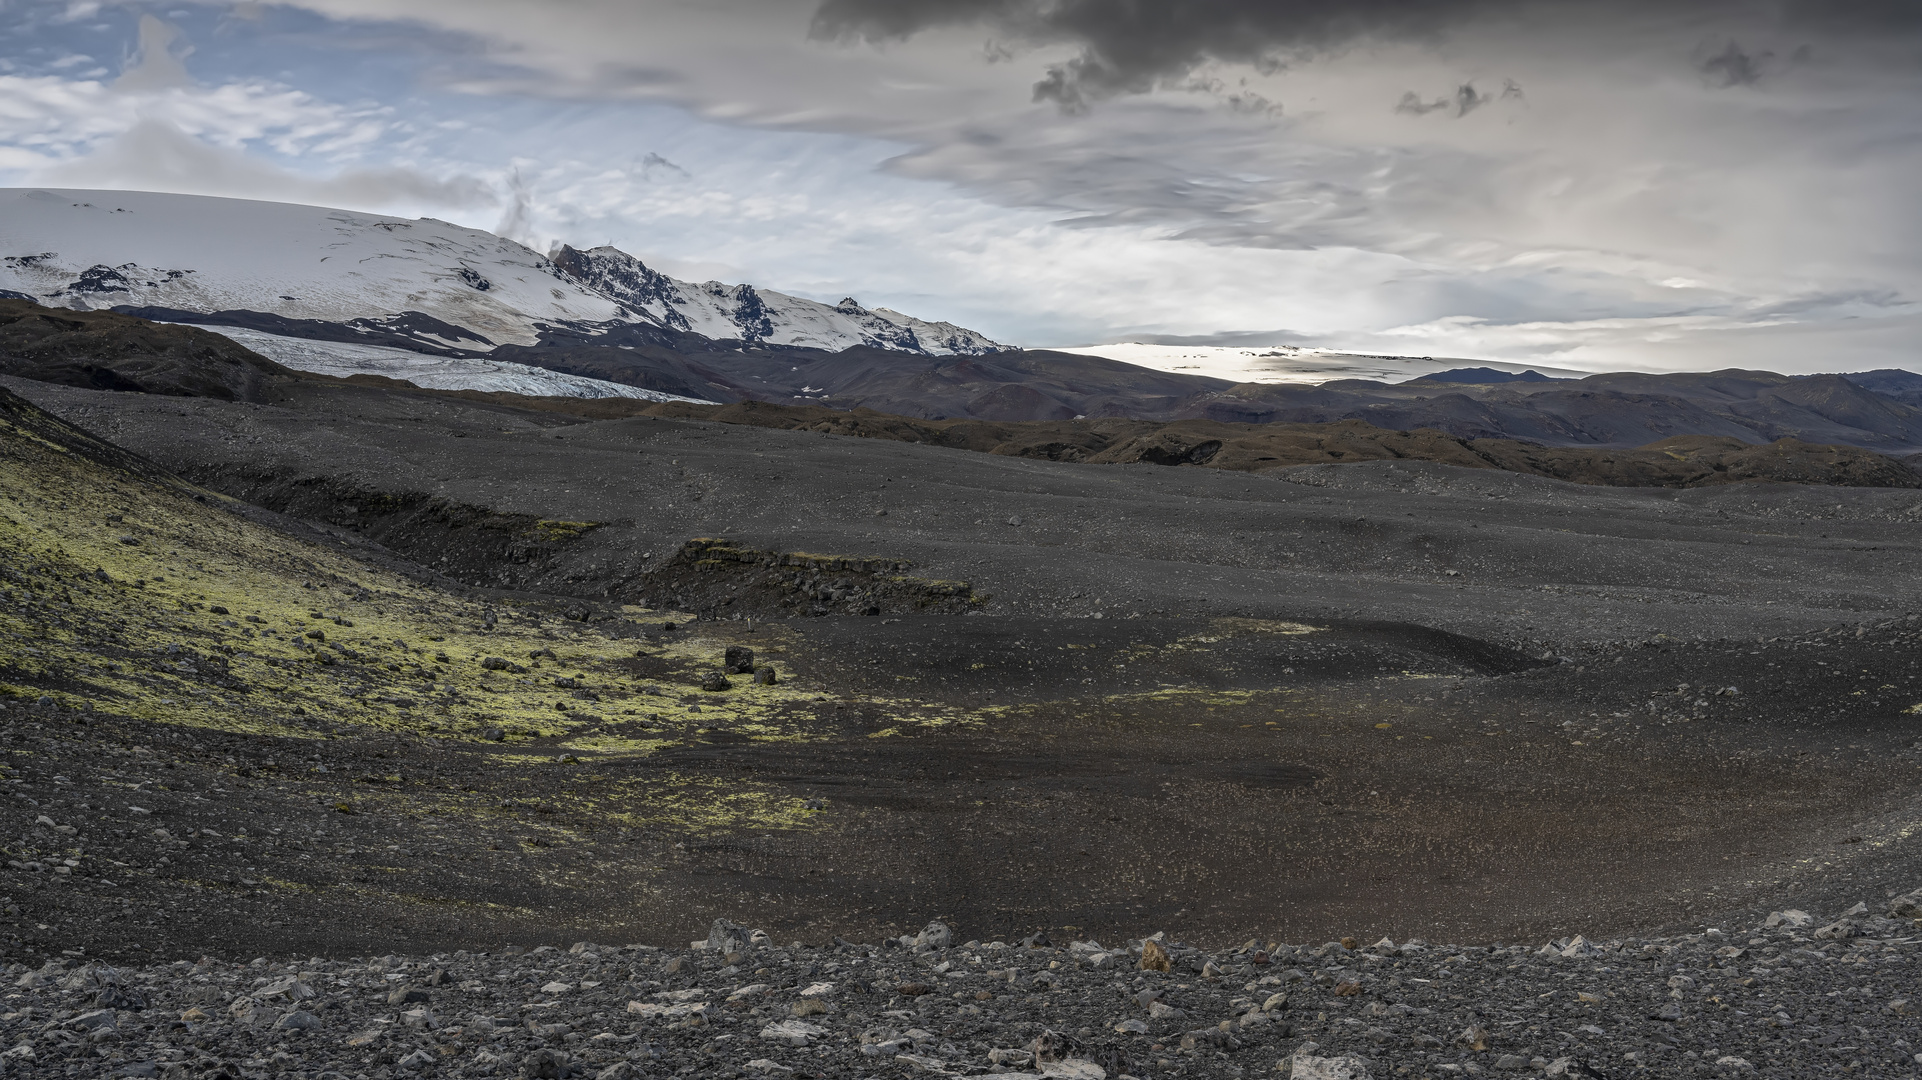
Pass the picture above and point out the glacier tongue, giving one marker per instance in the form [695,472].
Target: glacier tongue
[190,253]
[345,359]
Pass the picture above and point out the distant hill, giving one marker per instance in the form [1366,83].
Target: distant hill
[1484,375]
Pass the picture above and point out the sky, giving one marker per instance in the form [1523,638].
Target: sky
[1597,184]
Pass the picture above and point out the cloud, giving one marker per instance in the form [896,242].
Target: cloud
[156,64]
[156,155]
[1134,46]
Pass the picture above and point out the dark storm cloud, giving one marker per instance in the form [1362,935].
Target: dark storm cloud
[1128,46]
[1132,46]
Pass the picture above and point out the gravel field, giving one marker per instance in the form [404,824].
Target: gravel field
[1788,999]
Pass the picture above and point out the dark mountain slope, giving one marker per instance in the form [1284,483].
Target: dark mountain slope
[108,351]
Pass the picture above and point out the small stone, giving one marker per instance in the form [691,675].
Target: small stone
[544,1064]
[298,1020]
[96,1019]
[1154,957]
[1305,1066]
[792,1032]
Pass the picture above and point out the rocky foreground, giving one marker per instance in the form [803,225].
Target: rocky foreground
[1788,999]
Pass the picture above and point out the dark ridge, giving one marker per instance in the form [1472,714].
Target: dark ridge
[1484,376]
[103,350]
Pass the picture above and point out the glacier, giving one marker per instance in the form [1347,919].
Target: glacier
[470,290]
[345,359]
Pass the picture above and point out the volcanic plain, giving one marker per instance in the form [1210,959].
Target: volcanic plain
[362,669]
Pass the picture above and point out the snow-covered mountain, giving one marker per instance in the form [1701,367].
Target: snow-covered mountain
[714,310]
[392,280]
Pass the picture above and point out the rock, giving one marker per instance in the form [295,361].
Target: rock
[1308,1067]
[792,1032]
[1154,957]
[544,1064]
[715,681]
[95,1020]
[298,1020]
[937,936]
[738,660]
[1579,948]
[1839,930]
[726,936]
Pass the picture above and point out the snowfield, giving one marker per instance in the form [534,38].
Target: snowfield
[102,249]
[344,359]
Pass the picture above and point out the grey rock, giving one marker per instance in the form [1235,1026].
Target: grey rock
[1309,1067]
[544,1064]
[727,936]
[935,936]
